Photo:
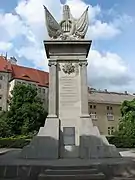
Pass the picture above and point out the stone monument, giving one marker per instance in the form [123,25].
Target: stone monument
[68,131]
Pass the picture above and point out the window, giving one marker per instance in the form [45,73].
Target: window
[110,116]
[1,77]
[92,106]
[0,108]
[39,90]
[93,115]
[109,107]
[69,136]
[18,82]
[43,90]
[34,85]
[0,86]
[0,96]
[111,130]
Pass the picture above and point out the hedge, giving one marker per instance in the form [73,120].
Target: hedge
[20,142]
[122,142]
[14,142]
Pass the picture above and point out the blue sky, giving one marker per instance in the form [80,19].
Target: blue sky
[112,27]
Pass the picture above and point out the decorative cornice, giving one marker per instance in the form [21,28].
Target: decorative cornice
[83,63]
[52,64]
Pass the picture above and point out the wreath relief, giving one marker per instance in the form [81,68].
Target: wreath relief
[68,68]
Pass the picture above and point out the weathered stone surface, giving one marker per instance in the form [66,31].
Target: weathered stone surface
[68,107]
[11,172]
[2,171]
[46,144]
[71,174]
[99,176]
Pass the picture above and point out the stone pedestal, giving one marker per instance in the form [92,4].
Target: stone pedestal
[68,131]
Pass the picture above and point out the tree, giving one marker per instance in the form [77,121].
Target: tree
[26,113]
[127,122]
[4,127]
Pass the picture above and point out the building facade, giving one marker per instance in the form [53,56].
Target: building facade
[104,106]
[104,109]
[12,74]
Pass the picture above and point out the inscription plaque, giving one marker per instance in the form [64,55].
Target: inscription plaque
[68,91]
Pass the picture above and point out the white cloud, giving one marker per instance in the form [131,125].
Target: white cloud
[100,30]
[5,46]
[78,7]
[32,13]
[108,70]
[34,54]
[107,63]
[10,26]
[29,21]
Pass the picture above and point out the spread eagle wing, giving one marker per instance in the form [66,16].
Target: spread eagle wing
[53,28]
[82,24]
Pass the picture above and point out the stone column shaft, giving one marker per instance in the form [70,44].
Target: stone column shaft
[52,89]
[84,88]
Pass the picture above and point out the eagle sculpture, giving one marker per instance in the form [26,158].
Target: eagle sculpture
[69,28]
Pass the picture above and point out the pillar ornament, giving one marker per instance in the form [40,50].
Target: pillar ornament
[83,64]
[52,64]
[68,68]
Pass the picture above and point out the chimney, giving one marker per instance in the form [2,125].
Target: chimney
[13,60]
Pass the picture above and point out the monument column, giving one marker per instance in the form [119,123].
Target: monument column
[52,89]
[84,89]
[70,127]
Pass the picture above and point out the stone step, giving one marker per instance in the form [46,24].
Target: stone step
[10,178]
[98,176]
[70,171]
[124,178]
[73,167]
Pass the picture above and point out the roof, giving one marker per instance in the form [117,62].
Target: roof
[108,97]
[24,73]
[30,74]
[5,66]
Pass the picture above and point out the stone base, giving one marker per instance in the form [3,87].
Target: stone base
[93,147]
[46,144]
[12,167]
[92,144]
[75,174]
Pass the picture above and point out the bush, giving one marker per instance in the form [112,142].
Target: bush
[21,141]
[14,142]
[122,142]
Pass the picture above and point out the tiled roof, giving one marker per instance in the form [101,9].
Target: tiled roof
[108,97]
[25,73]
[30,74]
[5,66]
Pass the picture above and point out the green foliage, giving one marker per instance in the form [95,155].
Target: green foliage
[127,122]
[26,113]
[121,142]
[4,127]
[18,142]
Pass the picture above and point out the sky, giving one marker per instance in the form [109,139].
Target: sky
[111,62]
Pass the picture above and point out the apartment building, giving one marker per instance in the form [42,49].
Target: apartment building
[104,109]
